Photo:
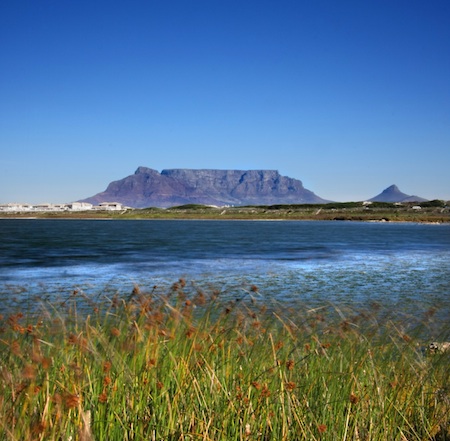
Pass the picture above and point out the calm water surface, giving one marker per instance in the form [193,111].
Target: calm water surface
[399,264]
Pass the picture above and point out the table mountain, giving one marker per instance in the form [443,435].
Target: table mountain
[393,194]
[149,188]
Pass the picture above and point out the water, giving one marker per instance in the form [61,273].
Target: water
[398,264]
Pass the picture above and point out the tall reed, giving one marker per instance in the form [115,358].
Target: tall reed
[188,365]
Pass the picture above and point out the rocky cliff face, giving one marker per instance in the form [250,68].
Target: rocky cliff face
[149,188]
[393,194]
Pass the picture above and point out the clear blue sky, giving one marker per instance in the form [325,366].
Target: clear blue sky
[348,96]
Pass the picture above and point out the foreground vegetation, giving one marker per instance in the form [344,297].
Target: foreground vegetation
[183,364]
[432,211]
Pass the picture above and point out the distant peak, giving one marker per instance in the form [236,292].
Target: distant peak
[393,194]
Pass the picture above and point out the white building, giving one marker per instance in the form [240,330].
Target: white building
[80,206]
[73,206]
[110,206]
[15,207]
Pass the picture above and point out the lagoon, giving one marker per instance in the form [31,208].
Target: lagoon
[403,265]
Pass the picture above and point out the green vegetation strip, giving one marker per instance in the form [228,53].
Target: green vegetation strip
[186,365]
[436,211]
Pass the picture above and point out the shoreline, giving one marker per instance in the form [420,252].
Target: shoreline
[434,212]
[374,221]
[415,220]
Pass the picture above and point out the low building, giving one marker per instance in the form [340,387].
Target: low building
[110,206]
[46,207]
[13,207]
[73,206]
[79,206]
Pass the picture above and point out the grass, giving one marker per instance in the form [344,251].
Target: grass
[432,212]
[184,364]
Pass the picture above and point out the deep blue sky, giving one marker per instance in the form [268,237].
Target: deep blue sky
[347,96]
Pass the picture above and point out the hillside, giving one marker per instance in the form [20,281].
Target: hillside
[393,194]
[149,188]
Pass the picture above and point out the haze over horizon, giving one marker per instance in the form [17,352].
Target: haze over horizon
[348,97]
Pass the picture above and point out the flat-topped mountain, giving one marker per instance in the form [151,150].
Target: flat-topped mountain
[393,194]
[149,188]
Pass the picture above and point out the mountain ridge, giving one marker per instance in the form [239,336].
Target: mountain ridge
[149,188]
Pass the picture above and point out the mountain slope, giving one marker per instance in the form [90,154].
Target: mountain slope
[149,188]
[393,194]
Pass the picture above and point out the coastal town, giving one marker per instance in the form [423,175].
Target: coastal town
[74,206]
